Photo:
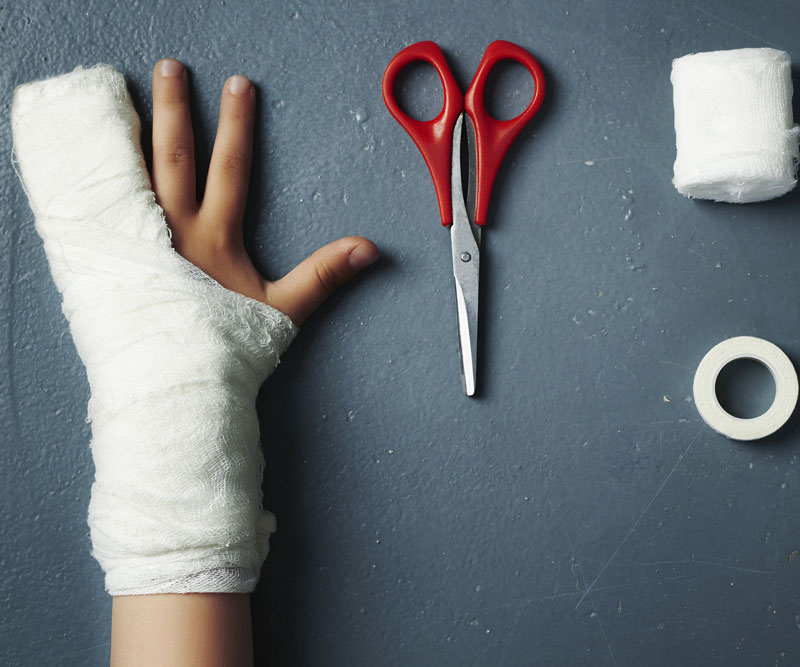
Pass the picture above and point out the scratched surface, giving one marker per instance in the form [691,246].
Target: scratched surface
[578,512]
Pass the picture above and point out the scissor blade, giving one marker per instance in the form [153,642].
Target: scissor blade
[467,338]
[464,242]
[472,176]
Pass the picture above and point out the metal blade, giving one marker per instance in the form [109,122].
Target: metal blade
[472,176]
[465,244]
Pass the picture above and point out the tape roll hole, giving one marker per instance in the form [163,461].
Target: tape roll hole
[745,388]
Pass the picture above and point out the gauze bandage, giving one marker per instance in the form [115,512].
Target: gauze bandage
[735,137]
[174,360]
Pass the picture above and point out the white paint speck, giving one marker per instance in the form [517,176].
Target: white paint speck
[361,114]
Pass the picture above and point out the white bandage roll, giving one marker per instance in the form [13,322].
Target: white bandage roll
[174,360]
[705,388]
[736,141]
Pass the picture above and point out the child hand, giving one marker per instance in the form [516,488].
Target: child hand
[209,233]
[174,361]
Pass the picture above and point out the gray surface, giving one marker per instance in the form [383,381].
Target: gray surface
[578,512]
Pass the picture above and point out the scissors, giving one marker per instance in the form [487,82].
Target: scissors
[439,141]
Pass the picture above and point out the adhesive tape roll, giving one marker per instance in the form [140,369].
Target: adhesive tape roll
[745,347]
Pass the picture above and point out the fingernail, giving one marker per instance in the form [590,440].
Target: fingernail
[239,84]
[171,67]
[362,256]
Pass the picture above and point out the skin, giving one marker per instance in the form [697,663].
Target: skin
[200,629]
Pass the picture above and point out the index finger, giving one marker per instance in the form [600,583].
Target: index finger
[229,170]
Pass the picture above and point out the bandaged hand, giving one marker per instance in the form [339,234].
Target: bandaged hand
[175,344]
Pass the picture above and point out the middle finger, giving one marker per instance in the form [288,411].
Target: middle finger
[173,141]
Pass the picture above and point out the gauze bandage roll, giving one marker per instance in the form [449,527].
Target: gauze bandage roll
[174,360]
[734,131]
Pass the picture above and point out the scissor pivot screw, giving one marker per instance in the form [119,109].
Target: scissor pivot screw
[465,257]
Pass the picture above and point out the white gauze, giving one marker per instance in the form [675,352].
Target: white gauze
[174,360]
[733,125]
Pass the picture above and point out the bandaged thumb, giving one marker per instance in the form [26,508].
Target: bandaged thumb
[174,360]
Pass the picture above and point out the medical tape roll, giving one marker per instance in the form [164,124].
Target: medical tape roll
[778,364]
[736,140]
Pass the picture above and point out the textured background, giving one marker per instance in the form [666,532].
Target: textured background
[577,512]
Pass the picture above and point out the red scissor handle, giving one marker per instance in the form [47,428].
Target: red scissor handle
[494,137]
[434,138]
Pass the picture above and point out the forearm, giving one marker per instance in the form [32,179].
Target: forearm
[194,629]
